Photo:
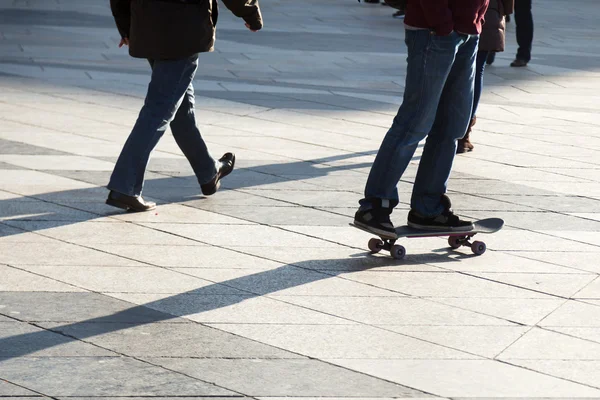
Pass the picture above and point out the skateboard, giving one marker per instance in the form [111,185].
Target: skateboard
[456,239]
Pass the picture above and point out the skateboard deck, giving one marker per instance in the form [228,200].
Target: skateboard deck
[456,239]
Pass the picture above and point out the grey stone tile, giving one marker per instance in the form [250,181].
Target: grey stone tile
[6,230]
[231,309]
[541,344]
[121,279]
[569,204]
[16,279]
[89,232]
[53,252]
[53,195]
[281,378]
[99,377]
[584,371]
[257,235]
[28,340]
[232,397]
[76,307]
[538,220]
[494,379]
[345,341]
[41,211]
[57,162]
[21,398]
[283,215]
[394,311]
[199,256]
[12,147]
[10,391]
[525,311]
[181,340]
[4,165]
[286,280]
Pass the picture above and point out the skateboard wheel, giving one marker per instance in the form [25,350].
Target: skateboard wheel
[478,248]
[398,252]
[454,241]
[375,245]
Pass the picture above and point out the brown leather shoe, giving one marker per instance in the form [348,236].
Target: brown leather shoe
[227,162]
[129,203]
[519,63]
[464,144]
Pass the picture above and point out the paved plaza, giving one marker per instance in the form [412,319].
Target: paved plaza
[263,291]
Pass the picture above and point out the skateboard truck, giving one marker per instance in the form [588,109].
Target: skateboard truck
[398,251]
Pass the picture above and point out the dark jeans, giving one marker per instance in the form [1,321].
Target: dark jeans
[438,100]
[479,70]
[524,22]
[170,100]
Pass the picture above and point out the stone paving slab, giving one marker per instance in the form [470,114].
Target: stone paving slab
[101,376]
[168,340]
[278,378]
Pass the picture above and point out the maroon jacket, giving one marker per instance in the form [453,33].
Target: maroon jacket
[444,16]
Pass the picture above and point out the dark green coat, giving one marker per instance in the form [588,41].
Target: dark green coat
[175,29]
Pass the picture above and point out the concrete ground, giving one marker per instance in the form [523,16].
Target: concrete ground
[263,290]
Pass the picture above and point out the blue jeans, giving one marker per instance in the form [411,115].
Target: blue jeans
[479,71]
[170,100]
[437,103]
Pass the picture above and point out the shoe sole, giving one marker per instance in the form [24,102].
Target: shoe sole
[382,234]
[123,206]
[441,228]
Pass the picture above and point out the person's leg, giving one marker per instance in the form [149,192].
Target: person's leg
[464,144]
[187,135]
[479,72]
[429,62]
[452,118]
[170,80]
[524,27]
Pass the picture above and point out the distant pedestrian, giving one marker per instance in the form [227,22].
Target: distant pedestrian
[400,6]
[524,28]
[491,41]
[442,42]
[170,34]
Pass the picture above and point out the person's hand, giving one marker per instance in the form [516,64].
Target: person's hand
[249,27]
[124,42]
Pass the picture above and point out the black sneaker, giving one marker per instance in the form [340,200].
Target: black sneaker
[398,14]
[376,221]
[446,221]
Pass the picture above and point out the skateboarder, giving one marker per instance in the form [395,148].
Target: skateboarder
[442,38]
[170,34]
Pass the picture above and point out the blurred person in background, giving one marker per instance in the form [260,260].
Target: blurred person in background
[491,41]
[524,28]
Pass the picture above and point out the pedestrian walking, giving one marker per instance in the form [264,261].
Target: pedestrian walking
[170,34]
[524,28]
[491,41]
[441,38]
